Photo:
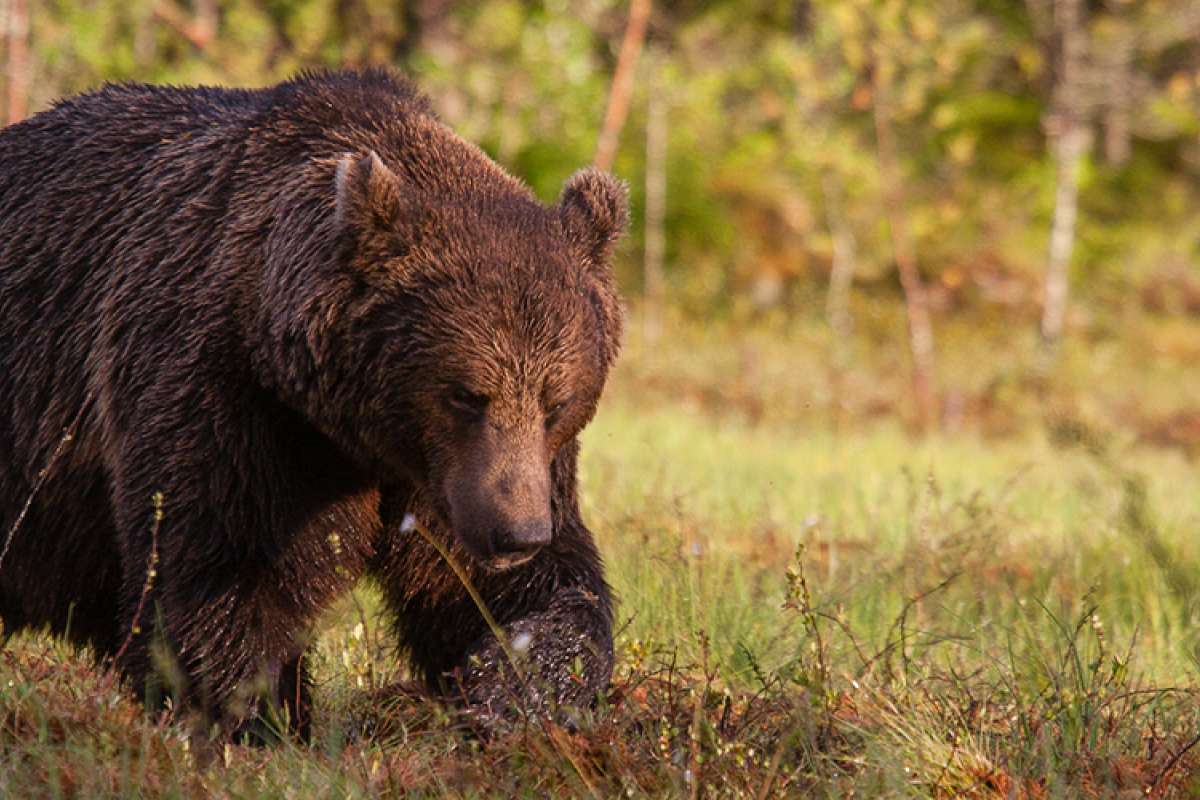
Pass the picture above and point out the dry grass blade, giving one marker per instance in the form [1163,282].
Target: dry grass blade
[553,734]
[67,437]
[465,579]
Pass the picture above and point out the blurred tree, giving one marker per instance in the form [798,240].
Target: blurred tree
[622,84]
[767,174]
[883,68]
[17,76]
[656,194]
[199,26]
[1067,128]
[1108,63]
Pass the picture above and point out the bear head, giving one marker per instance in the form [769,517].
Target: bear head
[478,335]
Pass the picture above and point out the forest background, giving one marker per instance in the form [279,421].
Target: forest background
[1017,173]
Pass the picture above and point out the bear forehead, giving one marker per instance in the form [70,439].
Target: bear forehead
[499,301]
[512,233]
[510,320]
[518,266]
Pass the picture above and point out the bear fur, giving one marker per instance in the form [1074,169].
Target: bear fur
[252,344]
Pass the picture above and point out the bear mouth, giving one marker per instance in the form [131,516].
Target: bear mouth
[489,561]
[505,561]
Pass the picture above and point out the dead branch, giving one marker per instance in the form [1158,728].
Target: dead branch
[622,85]
[200,30]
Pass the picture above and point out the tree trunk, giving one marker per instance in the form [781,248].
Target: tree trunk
[656,196]
[3,60]
[622,85]
[1068,153]
[145,39]
[845,254]
[841,278]
[1066,127]
[920,329]
[17,72]
[1119,102]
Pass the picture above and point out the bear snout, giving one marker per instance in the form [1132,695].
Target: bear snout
[499,545]
[499,502]
[525,537]
[498,532]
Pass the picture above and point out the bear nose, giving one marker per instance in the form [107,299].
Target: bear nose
[524,537]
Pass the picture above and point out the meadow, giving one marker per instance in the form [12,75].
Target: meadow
[814,601]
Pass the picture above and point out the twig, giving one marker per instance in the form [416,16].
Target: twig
[764,790]
[901,620]
[151,571]
[555,735]
[695,741]
[1170,765]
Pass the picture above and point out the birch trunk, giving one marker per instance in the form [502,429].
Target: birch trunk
[845,254]
[837,303]
[1069,135]
[1068,154]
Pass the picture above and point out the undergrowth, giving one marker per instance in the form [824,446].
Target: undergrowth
[805,611]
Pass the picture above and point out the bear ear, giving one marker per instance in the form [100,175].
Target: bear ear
[595,212]
[368,193]
[371,208]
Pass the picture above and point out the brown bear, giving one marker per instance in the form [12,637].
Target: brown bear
[253,343]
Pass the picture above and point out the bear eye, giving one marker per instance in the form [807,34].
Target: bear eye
[554,412]
[466,402]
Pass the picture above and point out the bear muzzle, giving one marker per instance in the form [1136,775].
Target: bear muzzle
[502,523]
[523,538]
[504,545]
[498,498]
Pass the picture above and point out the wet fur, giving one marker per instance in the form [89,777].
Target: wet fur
[242,327]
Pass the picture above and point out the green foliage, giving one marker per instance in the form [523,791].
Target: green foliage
[769,110]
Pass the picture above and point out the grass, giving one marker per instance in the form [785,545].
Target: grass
[813,603]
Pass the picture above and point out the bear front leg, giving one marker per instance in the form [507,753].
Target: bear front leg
[206,624]
[294,697]
[215,659]
[229,554]
[555,610]
[555,613]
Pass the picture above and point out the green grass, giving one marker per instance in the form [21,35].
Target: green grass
[700,519]
[807,608]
